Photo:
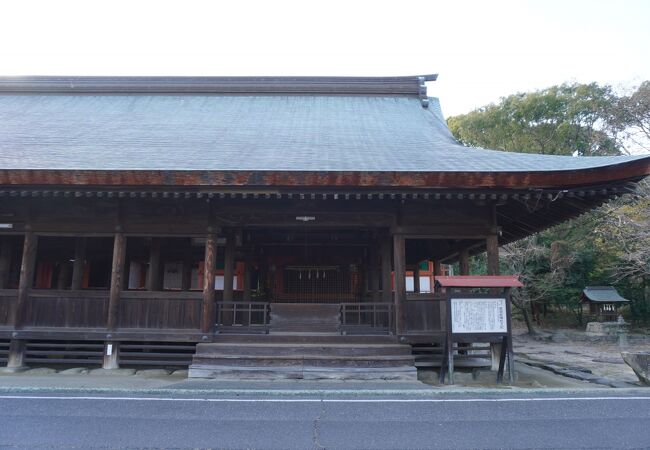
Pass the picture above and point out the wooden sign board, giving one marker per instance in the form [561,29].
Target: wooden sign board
[479,315]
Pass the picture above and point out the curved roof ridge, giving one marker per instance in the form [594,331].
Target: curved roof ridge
[394,85]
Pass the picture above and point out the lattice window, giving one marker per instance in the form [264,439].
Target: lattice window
[321,283]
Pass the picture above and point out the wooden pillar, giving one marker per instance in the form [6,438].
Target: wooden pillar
[374,272]
[386,278]
[399,264]
[79,263]
[117,281]
[416,278]
[228,268]
[209,262]
[492,248]
[26,277]
[111,355]
[16,356]
[463,262]
[186,271]
[248,262]
[6,253]
[154,279]
[64,275]
[492,244]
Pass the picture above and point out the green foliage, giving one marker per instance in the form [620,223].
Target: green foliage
[607,246]
[561,120]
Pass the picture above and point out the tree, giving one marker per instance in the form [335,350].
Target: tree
[631,117]
[561,120]
[627,228]
[610,244]
[624,236]
[530,261]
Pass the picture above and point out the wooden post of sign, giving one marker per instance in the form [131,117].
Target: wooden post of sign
[79,263]
[386,276]
[399,263]
[16,357]
[508,340]
[6,253]
[447,366]
[154,279]
[209,263]
[463,262]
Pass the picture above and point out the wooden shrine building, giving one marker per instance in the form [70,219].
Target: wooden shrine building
[141,216]
[602,302]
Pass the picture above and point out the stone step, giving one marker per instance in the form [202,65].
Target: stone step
[228,373]
[304,338]
[333,349]
[304,356]
[296,327]
[313,361]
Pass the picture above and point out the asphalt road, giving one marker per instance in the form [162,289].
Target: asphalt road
[502,421]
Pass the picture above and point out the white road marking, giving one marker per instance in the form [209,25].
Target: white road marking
[323,400]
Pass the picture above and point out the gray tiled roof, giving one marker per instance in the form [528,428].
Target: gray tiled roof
[603,294]
[246,132]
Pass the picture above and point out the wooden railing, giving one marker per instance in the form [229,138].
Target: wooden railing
[88,309]
[177,310]
[67,309]
[8,299]
[375,317]
[425,313]
[249,316]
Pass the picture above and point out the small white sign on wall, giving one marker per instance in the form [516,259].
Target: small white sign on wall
[479,315]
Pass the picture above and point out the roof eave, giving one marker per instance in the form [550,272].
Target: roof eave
[628,171]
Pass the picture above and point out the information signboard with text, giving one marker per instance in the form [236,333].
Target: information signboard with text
[479,315]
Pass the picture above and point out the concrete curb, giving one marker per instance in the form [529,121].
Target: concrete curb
[266,393]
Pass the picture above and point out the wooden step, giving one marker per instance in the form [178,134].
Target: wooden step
[298,360]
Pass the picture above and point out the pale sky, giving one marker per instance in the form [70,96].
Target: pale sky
[482,50]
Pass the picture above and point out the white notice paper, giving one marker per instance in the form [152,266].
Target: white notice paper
[478,315]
